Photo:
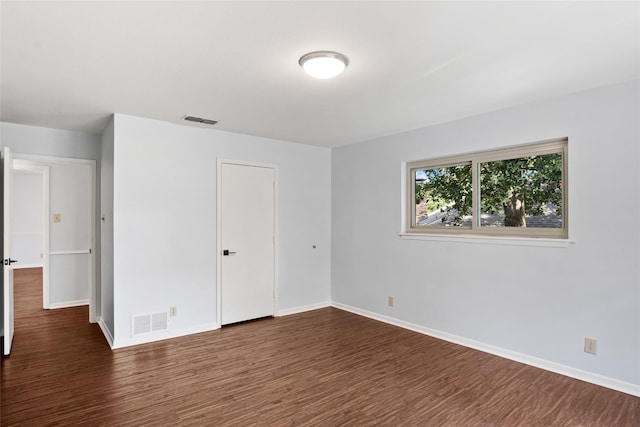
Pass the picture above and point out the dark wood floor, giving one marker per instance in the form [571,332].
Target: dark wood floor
[321,368]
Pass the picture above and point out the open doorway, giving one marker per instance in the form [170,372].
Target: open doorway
[29,227]
[49,221]
[66,208]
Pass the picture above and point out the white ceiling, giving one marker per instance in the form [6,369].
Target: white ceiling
[69,65]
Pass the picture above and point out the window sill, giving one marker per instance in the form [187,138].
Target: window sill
[490,240]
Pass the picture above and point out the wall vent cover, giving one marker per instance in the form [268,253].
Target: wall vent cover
[146,323]
[141,324]
[158,322]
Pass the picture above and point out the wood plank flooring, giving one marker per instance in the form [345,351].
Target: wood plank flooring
[321,368]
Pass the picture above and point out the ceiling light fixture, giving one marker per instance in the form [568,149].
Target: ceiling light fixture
[323,64]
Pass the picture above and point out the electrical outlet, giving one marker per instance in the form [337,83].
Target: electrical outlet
[173,311]
[590,345]
[390,301]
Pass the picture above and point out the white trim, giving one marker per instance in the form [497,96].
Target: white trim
[67,304]
[106,332]
[276,236]
[164,335]
[27,233]
[20,266]
[75,252]
[302,308]
[490,240]
[276,273]
[218,241]
[25,169]
[549,146]
[46,161]
[601,380]
[51,159]
[47,238]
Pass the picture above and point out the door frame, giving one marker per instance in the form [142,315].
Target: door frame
[44,171]
[8,313]
[46,161]
[275,168]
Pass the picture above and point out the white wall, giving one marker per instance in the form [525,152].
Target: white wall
[106,221]
[70,197]
[27,238]
[537,301]
[164,219]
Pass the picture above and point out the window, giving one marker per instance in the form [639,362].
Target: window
[519,191]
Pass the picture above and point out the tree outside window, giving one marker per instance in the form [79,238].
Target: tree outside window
[500,189]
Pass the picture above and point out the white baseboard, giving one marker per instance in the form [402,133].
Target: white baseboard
[163,335]
[302,308]
[67,304]
[106,332]
[558,368]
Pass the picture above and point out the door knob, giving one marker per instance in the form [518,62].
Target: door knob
[9,261]
[227,252]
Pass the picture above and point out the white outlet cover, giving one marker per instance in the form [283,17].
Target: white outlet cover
[590,346]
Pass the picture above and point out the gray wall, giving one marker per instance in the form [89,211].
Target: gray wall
[537,301]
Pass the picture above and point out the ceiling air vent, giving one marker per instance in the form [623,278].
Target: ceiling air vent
[200,120]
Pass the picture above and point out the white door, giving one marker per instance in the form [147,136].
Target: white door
[247,228]
[7,277]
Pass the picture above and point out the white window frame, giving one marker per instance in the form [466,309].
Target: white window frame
[541,148]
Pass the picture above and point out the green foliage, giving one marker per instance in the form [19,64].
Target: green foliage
[433,202]
[535,180]
[448,189]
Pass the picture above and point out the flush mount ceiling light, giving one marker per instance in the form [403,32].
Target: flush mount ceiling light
[323,64]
